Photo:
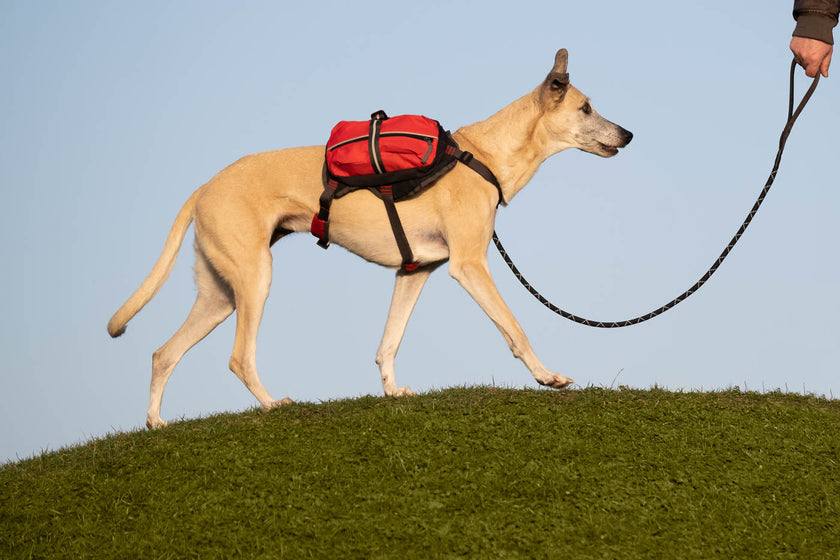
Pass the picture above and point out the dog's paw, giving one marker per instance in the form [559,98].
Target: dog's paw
[403,392]
[555,381]
[278,404]
[155,423]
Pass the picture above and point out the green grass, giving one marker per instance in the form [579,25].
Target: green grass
[479,473]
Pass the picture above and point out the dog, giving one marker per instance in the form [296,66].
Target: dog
[247,207]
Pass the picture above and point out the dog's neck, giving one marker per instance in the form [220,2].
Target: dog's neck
[512,143]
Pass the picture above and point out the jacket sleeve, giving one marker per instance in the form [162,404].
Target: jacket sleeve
[816,18]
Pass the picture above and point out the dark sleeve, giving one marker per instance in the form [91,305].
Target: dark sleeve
[816,18]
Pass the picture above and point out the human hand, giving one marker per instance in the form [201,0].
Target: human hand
[813,55]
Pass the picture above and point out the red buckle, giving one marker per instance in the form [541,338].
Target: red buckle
[317,227]
[411,267]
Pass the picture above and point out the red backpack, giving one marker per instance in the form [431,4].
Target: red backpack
[394,158]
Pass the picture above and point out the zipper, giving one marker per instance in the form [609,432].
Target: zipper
[348,141]
[426,137]
[430,141]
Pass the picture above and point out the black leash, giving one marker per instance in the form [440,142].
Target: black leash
[792,116]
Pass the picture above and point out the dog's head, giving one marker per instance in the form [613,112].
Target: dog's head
[569,119]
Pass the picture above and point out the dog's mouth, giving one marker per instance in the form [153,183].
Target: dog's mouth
[610,150]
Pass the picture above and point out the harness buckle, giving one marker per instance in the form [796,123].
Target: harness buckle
[318,227]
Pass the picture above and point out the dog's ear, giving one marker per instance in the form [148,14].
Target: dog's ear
[561,61]
[557,81]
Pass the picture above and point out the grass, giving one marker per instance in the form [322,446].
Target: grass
[462,473]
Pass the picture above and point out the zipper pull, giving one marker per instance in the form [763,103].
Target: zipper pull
[428,153]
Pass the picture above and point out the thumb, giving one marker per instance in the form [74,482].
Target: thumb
[825,64]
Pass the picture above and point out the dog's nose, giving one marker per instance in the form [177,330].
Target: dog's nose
[627,135]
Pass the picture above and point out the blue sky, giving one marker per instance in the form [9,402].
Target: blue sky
[114,112]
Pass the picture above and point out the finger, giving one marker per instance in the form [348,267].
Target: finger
[796,50]
[825,64]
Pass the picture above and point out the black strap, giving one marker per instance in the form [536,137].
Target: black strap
[469,160]
[408,262]
[324,213]
[373,146]
[485,173]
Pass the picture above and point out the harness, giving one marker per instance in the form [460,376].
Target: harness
[394,158]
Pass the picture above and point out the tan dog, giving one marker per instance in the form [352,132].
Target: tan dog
[261,198]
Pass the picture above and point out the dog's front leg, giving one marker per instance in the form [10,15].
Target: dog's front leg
[407,289]
[474,275]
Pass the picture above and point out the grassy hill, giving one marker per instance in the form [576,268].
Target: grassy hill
[478,472]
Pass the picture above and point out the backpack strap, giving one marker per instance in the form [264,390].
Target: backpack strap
[408,262]
[320,226]
[469,160]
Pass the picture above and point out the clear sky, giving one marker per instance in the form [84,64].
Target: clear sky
[114,112]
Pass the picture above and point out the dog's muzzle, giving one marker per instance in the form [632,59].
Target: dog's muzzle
[624,135]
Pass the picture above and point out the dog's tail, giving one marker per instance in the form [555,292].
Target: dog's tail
[159,274]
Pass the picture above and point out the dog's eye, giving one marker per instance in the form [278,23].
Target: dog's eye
[587,108]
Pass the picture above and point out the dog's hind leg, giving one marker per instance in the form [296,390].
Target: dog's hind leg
[250,288]
[407,289]
[213,304]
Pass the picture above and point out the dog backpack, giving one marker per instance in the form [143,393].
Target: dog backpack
[395,158]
